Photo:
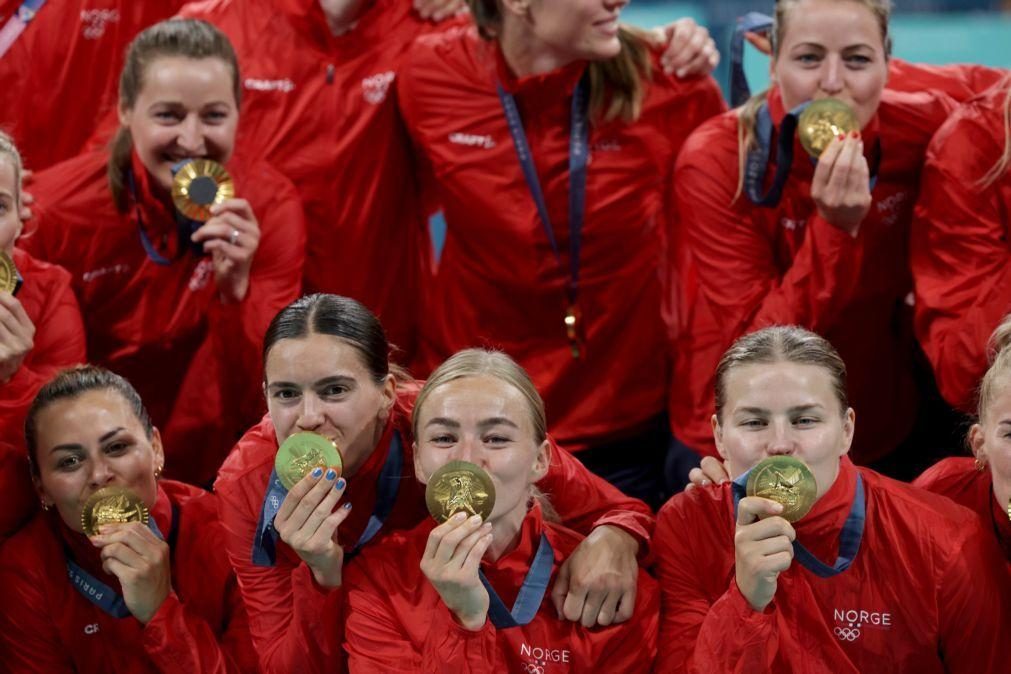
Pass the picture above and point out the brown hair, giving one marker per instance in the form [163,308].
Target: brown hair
[997,374]
[748,114]
[617,85]
[190,38]
[777,344]
[73,382]
[1001,167]
[9,150]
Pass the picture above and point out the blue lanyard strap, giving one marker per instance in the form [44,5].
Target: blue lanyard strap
[849,538]
[387,486]
[531,593]
[578,159]
[184,226]
[96,591]
[752,22]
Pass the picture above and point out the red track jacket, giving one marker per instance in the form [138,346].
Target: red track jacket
[47,626]
[960,81]
[397,622]
[747,267]
[67,59]
[498,282]
[960,254]
[194,360]
[957,478]
[926,592]
[59,342]
[290,613]
[322,110]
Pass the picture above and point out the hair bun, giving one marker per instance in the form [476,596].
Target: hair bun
[1000,339]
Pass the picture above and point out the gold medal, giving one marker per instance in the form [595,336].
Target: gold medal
[199,185]
[112,505]
[460,486]
[9,279]
[823,120]
[301,453]
[787,481]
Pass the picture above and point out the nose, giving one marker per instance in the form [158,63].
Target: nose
[781,440]
[101,471]
[191,136]
[615,4]
[310,416]
[832,75]
[467,450]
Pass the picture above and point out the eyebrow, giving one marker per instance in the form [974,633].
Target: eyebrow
[793,410]
[484,423]
[336,379]
[73,446]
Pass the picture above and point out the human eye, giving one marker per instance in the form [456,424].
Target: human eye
[442,438]
[858,60]
[68,462]
[285,394]
[806,421]
[753,423]
[808,58]
[497,439]
[334,390]
[117,447]
[216,116]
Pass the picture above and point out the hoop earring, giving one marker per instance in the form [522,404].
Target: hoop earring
[45,506]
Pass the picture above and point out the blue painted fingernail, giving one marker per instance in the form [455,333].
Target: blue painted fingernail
[340,484]
[331,474]
[347,506]
[317,471]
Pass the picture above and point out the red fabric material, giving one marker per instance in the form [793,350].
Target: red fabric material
[68,59]
[164,327]
[397,622]
[960,252]
[926,592]
[744,267]
[960,81]
[322,110]
[498,282]
[287,609]
[957,478]
[58,343]
[47,626]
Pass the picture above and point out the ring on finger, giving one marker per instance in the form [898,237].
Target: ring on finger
[234,238]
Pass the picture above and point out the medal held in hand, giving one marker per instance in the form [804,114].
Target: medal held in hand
[112,505]
[823,120]
[788,482]
[460,486]
[198,185]
[301,453]
[10,280]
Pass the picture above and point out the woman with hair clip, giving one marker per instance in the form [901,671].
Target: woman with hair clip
[327,371]
[875,576]
[176,305]
[770,236]
[123,572]
[438,597]
[40,332]
[960,255]
[551,131]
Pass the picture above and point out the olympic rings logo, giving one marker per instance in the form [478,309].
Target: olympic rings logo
[847,634]
[531,668]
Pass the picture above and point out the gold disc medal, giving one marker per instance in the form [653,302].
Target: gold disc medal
[787,481]
[301,453]
[199,185]
[112,505]
[460,486]
[823,120]
[9,278]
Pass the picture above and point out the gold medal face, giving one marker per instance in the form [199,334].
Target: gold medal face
[199,185]
[112,505]
[787,481]
[823,120]
[460,486]
[8,274]
[301,453]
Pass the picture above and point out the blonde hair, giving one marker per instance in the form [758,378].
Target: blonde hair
[1001,167]
[617,85]
[997,375]
[190,38]
[9,150]
[748,115]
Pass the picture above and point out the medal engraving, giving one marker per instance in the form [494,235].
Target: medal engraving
[787,481]
[823,120]
[199,185]
[112,505]
[301,453]
[460,486]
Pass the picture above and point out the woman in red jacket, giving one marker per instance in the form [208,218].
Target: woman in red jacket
[177,307]
[134,597]
[327,371]
[960,253]
[40,333]
[471,595]
[773,238]
[878,576]
[551,145]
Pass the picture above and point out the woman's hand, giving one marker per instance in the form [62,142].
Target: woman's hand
[451,563]
[711,471]
[437,10]
[597,584]
[231,237]
[763,549]
[308,523]
[140,560]
[841,184]
[689,50]
[17,334]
